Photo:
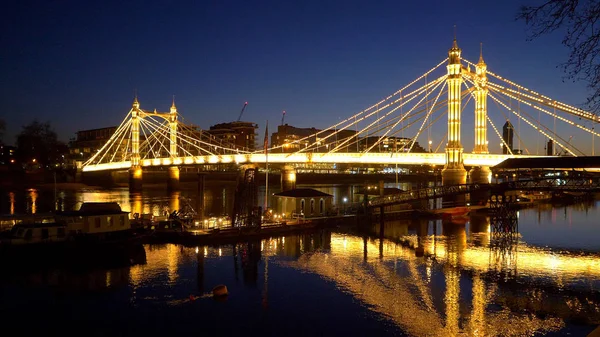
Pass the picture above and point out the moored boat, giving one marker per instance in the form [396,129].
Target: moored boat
[536,196]
[7,221]
[93,223]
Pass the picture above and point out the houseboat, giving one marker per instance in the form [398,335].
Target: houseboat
[7,221]
[94,222]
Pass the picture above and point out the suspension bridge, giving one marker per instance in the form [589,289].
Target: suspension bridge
[386,133]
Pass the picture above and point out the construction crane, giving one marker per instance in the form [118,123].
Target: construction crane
[564,151]
[282,117]
[242,112]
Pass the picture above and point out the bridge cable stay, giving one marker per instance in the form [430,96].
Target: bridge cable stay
[184,132]
[346,142]
[349,119]
[435,109]
[125,124]
[419,92]
[557,111]
[149,143]
[499,135]
[120,137]
[414,94]
[539,128]
[160,136]
[549,131]
[408,113]
[547,100]
[154,129]
[425,120]
[400,119]
[553,114]
[491,95]
[491,88]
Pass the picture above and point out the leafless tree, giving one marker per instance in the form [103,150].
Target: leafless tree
[578,20]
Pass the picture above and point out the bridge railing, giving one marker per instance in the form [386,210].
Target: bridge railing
[424,193]
[555,184]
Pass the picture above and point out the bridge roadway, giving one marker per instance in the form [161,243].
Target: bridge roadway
[565,184]
[470,159]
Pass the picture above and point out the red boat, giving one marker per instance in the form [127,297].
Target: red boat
[456,214]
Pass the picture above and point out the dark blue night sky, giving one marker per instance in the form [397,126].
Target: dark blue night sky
[78,63]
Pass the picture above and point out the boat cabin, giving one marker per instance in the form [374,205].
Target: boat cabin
[95,218]
[7,221]
[38,233]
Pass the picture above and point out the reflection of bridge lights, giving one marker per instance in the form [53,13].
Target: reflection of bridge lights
[197,250]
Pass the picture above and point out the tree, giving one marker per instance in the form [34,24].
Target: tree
[578,19]
[37,143]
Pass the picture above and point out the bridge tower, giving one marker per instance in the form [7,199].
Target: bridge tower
[454,172]
[481,174]
[173,182]
[135,172]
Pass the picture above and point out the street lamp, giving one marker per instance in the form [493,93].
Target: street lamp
[345,200]
[430,146]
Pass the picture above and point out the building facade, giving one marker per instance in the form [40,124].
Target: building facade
[292,139]
[304,202]
[88,142]
[239,135]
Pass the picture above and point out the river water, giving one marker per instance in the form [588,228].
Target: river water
[471,280]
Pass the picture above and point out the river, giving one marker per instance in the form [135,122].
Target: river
[470,281]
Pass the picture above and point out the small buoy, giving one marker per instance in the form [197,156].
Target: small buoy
[220,291]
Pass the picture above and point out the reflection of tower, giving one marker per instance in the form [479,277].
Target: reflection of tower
[452,300]
[174,201]
[479,226]
[136,203]
[507,135]
[477,322]
[11,196]
[456,240]
[33,196]
[250,257]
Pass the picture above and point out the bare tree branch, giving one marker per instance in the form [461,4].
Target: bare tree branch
[579,21]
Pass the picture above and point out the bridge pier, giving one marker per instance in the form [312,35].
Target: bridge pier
[454,176]
[480,175]
[135,178]
[288,178]
[173,179]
